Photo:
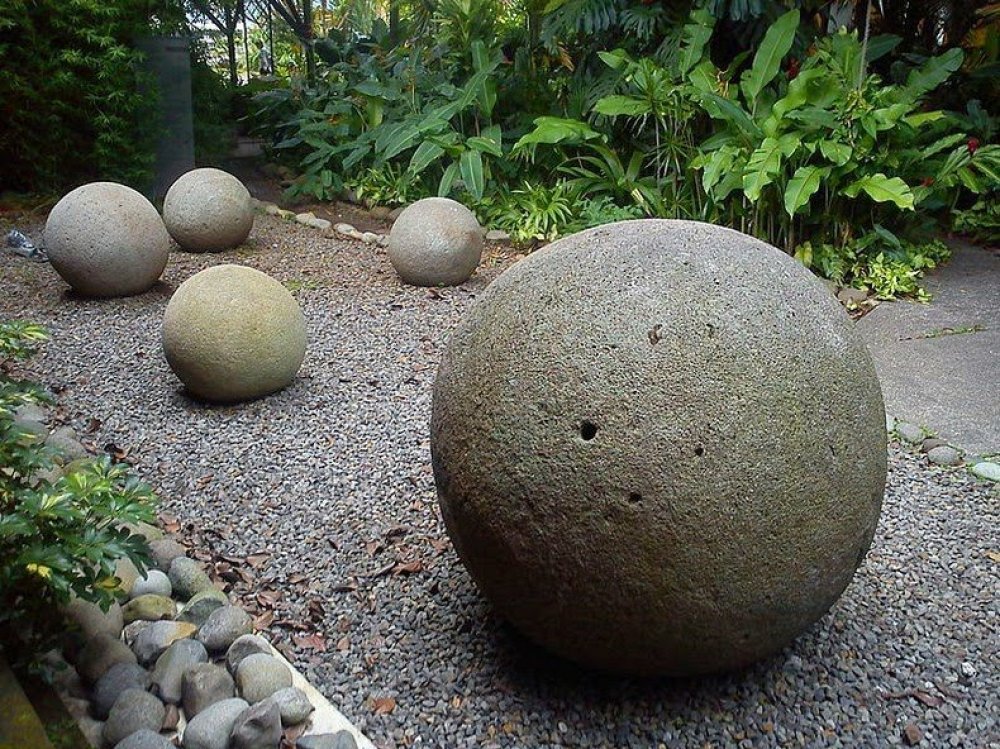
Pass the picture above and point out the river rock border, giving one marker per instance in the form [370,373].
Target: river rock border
[310,219]
[177,663]
[939,452]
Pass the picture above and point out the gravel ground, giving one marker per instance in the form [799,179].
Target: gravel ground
[327,488]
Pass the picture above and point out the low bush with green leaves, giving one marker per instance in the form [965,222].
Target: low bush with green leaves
[60,538]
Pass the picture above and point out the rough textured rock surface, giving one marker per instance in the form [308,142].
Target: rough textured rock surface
[145,739]
[167,677]
[232,333]
[201,605]
[257,728]
[116,680]
[205,684]
[188,578]
[243,646]
[659,447]
[210,728]
[435,242]
[154,639]
[223,626]
[208,210]
[134,710]
[259,676]
[293,705]
[107,240]
[149,607]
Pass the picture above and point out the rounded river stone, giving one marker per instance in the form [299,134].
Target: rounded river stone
[659,447]
[435,242]
[232,333]
[106,240]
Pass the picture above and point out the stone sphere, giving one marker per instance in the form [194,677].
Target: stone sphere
[232,333]
[435,242]
[659,447]
[208,210]
[106,240]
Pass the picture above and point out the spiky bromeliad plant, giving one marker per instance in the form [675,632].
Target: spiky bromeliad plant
[59,537]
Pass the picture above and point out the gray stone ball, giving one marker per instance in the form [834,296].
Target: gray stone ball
[208,210]
[106,240]
[232,333]
[435,242]
[659,447]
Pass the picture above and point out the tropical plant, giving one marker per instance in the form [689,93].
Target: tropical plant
[59,537]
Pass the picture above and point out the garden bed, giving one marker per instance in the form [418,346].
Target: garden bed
[317,504]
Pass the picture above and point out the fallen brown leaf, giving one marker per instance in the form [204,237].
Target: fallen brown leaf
[383,705]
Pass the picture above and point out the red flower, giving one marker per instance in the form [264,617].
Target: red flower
[928,181]
[973,146]
[793,68]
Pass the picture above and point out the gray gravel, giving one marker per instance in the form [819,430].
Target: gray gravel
[330,479]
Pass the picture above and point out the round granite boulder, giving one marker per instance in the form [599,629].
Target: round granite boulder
[106,240]
[232,333]
[659,447]
[208,210]
[435,242]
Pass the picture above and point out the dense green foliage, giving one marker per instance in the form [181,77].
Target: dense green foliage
[605,109]
[73,101]
[59,537]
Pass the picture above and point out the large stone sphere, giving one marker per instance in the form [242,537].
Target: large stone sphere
[106,240]
[208,210]
[232,333]
[435,242]
[659,447]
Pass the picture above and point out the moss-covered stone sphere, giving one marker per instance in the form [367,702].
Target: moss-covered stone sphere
[208,210]
[435,242]
[232,333]
[659,447]
[106,240]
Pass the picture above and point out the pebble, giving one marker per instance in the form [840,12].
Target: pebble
[293,705]
[149,608]
[153,640]
[164,551]
[154,582]
[259,676]
[243,646]
[257,728]
[201,605]
[987,470]
[92,620]
[205,684]
[210,729]
[145,739]
[167,677]
[117,679]
[188,578]
[134,710]
[944,455]
[909,432]
[223,626]
[100,654]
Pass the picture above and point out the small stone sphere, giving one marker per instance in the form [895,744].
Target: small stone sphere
[232,333]
[659,447]
[435,242]
[208,210]
[106,240]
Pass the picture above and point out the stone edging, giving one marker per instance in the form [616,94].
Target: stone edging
[309,219]
[939,452]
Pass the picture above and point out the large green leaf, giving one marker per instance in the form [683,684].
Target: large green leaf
[694,37]
[880,46]
[882,189]
[489,142]
[838,153]
[705,77]
[616,59]
[767,62]
[471,166]
[448,179]
[717,164]
[617,106]
[765,163]
[425,155]
[720,108]
[932,73]
[557,130]
[802,186]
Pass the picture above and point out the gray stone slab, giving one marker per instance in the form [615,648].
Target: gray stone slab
[939,363]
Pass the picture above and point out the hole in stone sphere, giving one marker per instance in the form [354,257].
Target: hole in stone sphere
[588,430]
[699,451]
[634,497]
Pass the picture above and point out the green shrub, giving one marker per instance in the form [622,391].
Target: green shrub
[62,537]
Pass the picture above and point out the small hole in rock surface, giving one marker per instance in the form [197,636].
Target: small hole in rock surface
[699,451]
[588,430]
[634,497]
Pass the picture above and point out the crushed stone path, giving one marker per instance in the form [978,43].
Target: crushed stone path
[322,496]
[939,363]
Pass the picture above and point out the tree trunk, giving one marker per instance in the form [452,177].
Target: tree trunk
[231,48]
[307,21]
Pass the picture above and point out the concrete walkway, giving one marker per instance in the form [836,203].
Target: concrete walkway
[939,363]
